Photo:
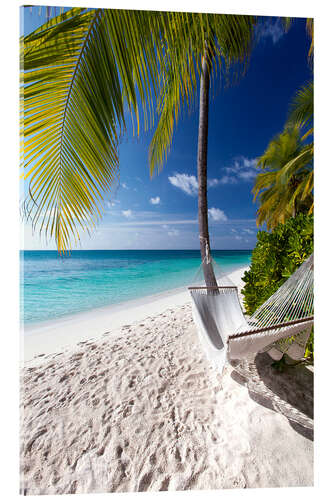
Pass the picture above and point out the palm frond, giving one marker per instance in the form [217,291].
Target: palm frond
[285,185]
[282,148]
[301,108]
[178,86]
[224,40]
[296,165]
[286,22]
[81,71]
[78,70]
[310,31]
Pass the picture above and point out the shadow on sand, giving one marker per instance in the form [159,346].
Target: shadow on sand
[289,393]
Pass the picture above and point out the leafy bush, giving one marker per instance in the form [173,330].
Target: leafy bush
[276,256]
[310,347]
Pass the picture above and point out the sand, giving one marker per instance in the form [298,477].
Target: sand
[139,408]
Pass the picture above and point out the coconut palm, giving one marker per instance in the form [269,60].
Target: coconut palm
[285,187]
[84,72]
[223,42]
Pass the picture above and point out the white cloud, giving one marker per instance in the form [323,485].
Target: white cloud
[213,182]
[243,169]
[173,232]
[238,237]
[111,204]
[127,213]
[249,163]
[228,179]
[155,201]
[269,29]
[233,230]
[216,214]
[154,222]
[140,232]
[124,185]
[248,231]
[247,175]
[187,183]
[165,223]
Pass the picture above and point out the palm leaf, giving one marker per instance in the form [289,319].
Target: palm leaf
[301,109]
[225,41]
[310,31]
[78,71]
[81,71]
[296,165]
[285,185]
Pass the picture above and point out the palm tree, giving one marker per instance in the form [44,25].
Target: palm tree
[82,72]
[223,41]
[208,270]
[284,188]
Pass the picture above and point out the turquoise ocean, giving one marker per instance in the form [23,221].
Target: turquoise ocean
[53,287]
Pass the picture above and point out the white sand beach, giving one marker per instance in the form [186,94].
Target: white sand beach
[124,400]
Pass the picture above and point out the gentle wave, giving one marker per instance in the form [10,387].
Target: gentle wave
[53,286]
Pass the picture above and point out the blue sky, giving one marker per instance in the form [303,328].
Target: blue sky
[162,212]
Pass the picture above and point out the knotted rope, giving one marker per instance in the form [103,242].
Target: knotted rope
[207,257]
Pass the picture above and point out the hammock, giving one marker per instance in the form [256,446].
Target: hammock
[281,325]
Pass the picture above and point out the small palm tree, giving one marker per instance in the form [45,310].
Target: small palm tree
[284,188]
[82,70]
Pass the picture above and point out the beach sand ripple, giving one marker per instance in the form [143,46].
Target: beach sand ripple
[142,410]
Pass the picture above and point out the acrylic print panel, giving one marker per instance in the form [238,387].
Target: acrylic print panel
[154,146]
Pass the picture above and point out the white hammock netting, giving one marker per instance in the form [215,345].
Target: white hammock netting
[221,276]
[281,325]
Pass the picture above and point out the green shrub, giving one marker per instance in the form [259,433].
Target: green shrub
[276,256]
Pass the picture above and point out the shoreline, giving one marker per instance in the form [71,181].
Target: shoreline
[64,333]
[140,408]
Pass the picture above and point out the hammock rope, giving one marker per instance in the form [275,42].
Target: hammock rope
[280,325]
[292,301]
[221,277]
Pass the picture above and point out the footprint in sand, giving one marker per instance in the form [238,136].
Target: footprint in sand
[145,481]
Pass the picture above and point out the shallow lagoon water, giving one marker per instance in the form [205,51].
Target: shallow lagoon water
[53,286]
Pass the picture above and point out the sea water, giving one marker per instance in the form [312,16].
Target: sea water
[54,286]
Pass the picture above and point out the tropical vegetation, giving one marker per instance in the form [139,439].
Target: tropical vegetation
[284,187]
[284,190]
[277,254]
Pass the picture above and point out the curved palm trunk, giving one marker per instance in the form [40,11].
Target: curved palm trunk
[202,174]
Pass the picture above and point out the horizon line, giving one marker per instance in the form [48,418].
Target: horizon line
[139,249]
